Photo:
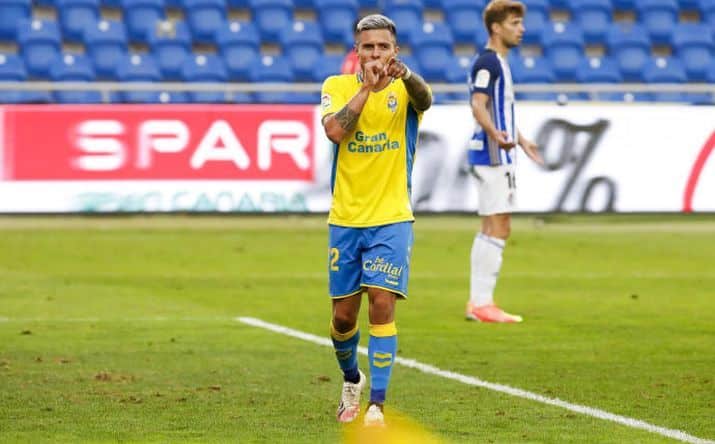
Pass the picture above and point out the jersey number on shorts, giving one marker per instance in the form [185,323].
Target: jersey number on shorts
[511,180]
[334,256]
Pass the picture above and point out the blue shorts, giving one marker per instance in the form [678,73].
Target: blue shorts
[369,257]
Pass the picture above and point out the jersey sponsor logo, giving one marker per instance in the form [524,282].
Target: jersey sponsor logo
[326,101]
[392,102]
[375,143]
[482,80]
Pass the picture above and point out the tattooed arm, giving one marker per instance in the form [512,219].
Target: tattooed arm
[416,87]
[343,122]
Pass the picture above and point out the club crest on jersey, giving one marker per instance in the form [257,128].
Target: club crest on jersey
[392,102]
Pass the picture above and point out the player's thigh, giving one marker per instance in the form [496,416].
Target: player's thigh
[386,258]
[344,260]
[497,189]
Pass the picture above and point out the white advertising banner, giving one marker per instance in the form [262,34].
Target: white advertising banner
[260,158]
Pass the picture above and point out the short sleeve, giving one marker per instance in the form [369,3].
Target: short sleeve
[484,73]
[332,98]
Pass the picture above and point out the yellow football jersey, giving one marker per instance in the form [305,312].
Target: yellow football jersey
[372,166]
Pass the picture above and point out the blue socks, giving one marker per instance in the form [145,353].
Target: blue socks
[381,352]
[346,351]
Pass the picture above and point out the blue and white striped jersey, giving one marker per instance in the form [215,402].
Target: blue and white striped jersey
[490,74]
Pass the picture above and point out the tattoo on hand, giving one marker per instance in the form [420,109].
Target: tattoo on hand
[347,118]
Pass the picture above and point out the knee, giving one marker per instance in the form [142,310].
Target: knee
[344,321]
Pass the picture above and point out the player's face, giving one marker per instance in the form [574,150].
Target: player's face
[511,31]
[376,44]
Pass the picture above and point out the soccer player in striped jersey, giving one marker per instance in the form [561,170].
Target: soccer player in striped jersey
[492,155]
[372,118]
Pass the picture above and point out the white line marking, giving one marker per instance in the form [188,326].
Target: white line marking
[470,380]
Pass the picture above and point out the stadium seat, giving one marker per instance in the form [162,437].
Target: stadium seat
[337,18]
[432,47]
[624,5]
[532,70]
[694,46]
[659,18]
[271,17]
[106,45]
[170,44]
[665,70]
[707,14]
[593,17]
[272,70]
[329,65]
[689,5]
[369,4]
[138,68]
[629,46]
[239,45]
[12,12]
[600,70]
[303,46]
[74,68]
[536,21]
[464,18]
[456,73]
[205,68]
[204,18]
[12,69]
[75,16]
[559,4]
[481,37]
[141,16]
[564,46]
[39,45]
[407,15]
[239,4]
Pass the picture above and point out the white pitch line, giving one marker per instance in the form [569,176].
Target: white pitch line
[470,380]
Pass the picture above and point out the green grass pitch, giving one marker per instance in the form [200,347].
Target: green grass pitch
[123,330]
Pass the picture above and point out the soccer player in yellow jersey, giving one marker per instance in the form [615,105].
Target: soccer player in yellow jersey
[372,118]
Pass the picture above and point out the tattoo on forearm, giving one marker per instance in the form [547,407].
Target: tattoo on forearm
[418,91]
[347,118]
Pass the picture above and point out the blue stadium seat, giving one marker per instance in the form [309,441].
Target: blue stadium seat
[464,18]
[12,69]
[205,68]
[564,46]
[239,45]
[303,46]
[304,4]
[204,18]
[75,16]
[559,4]
[39,45]
[329,65]
[432,47]
[138,68]
[272,17]
[407,15]
[594,18]
[689,5]
[624,5]
[707,14]
[112,3]
[481,38]
[694,46]
[141,16]
[659,18]
[74,68]
[456,73]
[337,18]
[170,44]
[665,70]
[369,4]
[12,12]
[600,70]
[239,4]
[532,70]
[272,70]
[536,21]
[629,46]
[106,45]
